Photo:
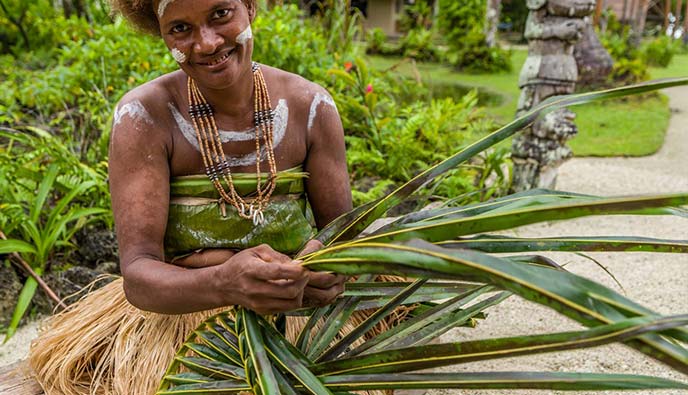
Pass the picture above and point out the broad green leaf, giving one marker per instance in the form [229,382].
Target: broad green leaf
[12,245]
[43,190]
[23,302]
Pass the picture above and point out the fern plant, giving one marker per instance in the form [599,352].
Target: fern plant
[452,256]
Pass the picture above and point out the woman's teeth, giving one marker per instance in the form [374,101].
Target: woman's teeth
[221,58]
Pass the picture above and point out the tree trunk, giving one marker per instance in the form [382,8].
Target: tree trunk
[677,17]
[491,21]
[598,11]
[638,26]
[593,61]
[685,26]
[623,13]
[667,11]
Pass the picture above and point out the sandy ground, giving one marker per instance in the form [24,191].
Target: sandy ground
[659,281]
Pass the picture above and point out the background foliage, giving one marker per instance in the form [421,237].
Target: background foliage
[58,90]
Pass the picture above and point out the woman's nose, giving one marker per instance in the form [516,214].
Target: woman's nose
[208,41]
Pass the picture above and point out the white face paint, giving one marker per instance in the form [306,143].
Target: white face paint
[244,36]
[317,100]
[135,110]
[162,6]
[280,128]
[178,55]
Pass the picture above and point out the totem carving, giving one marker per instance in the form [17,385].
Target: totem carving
[552,30]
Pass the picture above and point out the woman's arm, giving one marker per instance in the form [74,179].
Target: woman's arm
[328,189]
[259,278]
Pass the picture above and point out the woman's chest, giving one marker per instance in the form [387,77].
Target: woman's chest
[200,143]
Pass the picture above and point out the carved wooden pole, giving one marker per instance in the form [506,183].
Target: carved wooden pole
[491,21]
[552,29]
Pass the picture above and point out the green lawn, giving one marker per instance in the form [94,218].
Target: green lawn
[615,128]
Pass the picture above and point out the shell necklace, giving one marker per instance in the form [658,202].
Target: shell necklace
[216,167]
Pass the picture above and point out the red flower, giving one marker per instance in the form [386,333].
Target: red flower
[348,66]
[369,88]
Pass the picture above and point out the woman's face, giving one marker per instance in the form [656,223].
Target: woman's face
[210,39]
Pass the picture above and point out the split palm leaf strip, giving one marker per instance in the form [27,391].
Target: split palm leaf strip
[504,244]
[238,351]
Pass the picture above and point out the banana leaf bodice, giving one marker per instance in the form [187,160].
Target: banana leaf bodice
[199,219]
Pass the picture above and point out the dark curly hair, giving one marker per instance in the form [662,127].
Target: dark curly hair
[141,13]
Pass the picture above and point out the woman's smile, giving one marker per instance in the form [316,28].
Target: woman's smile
[217,62]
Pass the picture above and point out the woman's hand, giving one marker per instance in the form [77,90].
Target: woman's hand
[263,280]
[322,288]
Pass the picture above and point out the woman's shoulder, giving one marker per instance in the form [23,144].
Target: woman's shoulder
[293,86]
[154,95]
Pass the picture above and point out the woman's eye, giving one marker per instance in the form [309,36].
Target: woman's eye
[220,13]
[179,28]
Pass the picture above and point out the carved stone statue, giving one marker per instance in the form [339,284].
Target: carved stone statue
[552,29]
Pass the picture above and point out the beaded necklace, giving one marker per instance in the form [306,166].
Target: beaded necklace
[214,160]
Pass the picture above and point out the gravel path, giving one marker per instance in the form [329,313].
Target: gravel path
[658,281]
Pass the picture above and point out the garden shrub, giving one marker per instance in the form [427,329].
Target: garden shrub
[660,51]
[376,42]
[388,142]
[462,23]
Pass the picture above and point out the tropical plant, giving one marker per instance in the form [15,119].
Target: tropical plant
[462,23]
[238,351]
[48,195]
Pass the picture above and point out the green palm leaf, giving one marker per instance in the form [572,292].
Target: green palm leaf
[505,244]
[449,227]
[578,298]
[437,355]
[500,380]
[352,224]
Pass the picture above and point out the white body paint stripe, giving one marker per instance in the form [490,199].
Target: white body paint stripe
[319,98]
[134,109]
[162,6]
[244,36]
[178,55]
[280,129]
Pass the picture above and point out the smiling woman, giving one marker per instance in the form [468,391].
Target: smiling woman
[219,174]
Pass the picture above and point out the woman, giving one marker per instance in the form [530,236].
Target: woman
[184,145]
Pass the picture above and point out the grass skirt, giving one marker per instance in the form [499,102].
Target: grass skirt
[103,345]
